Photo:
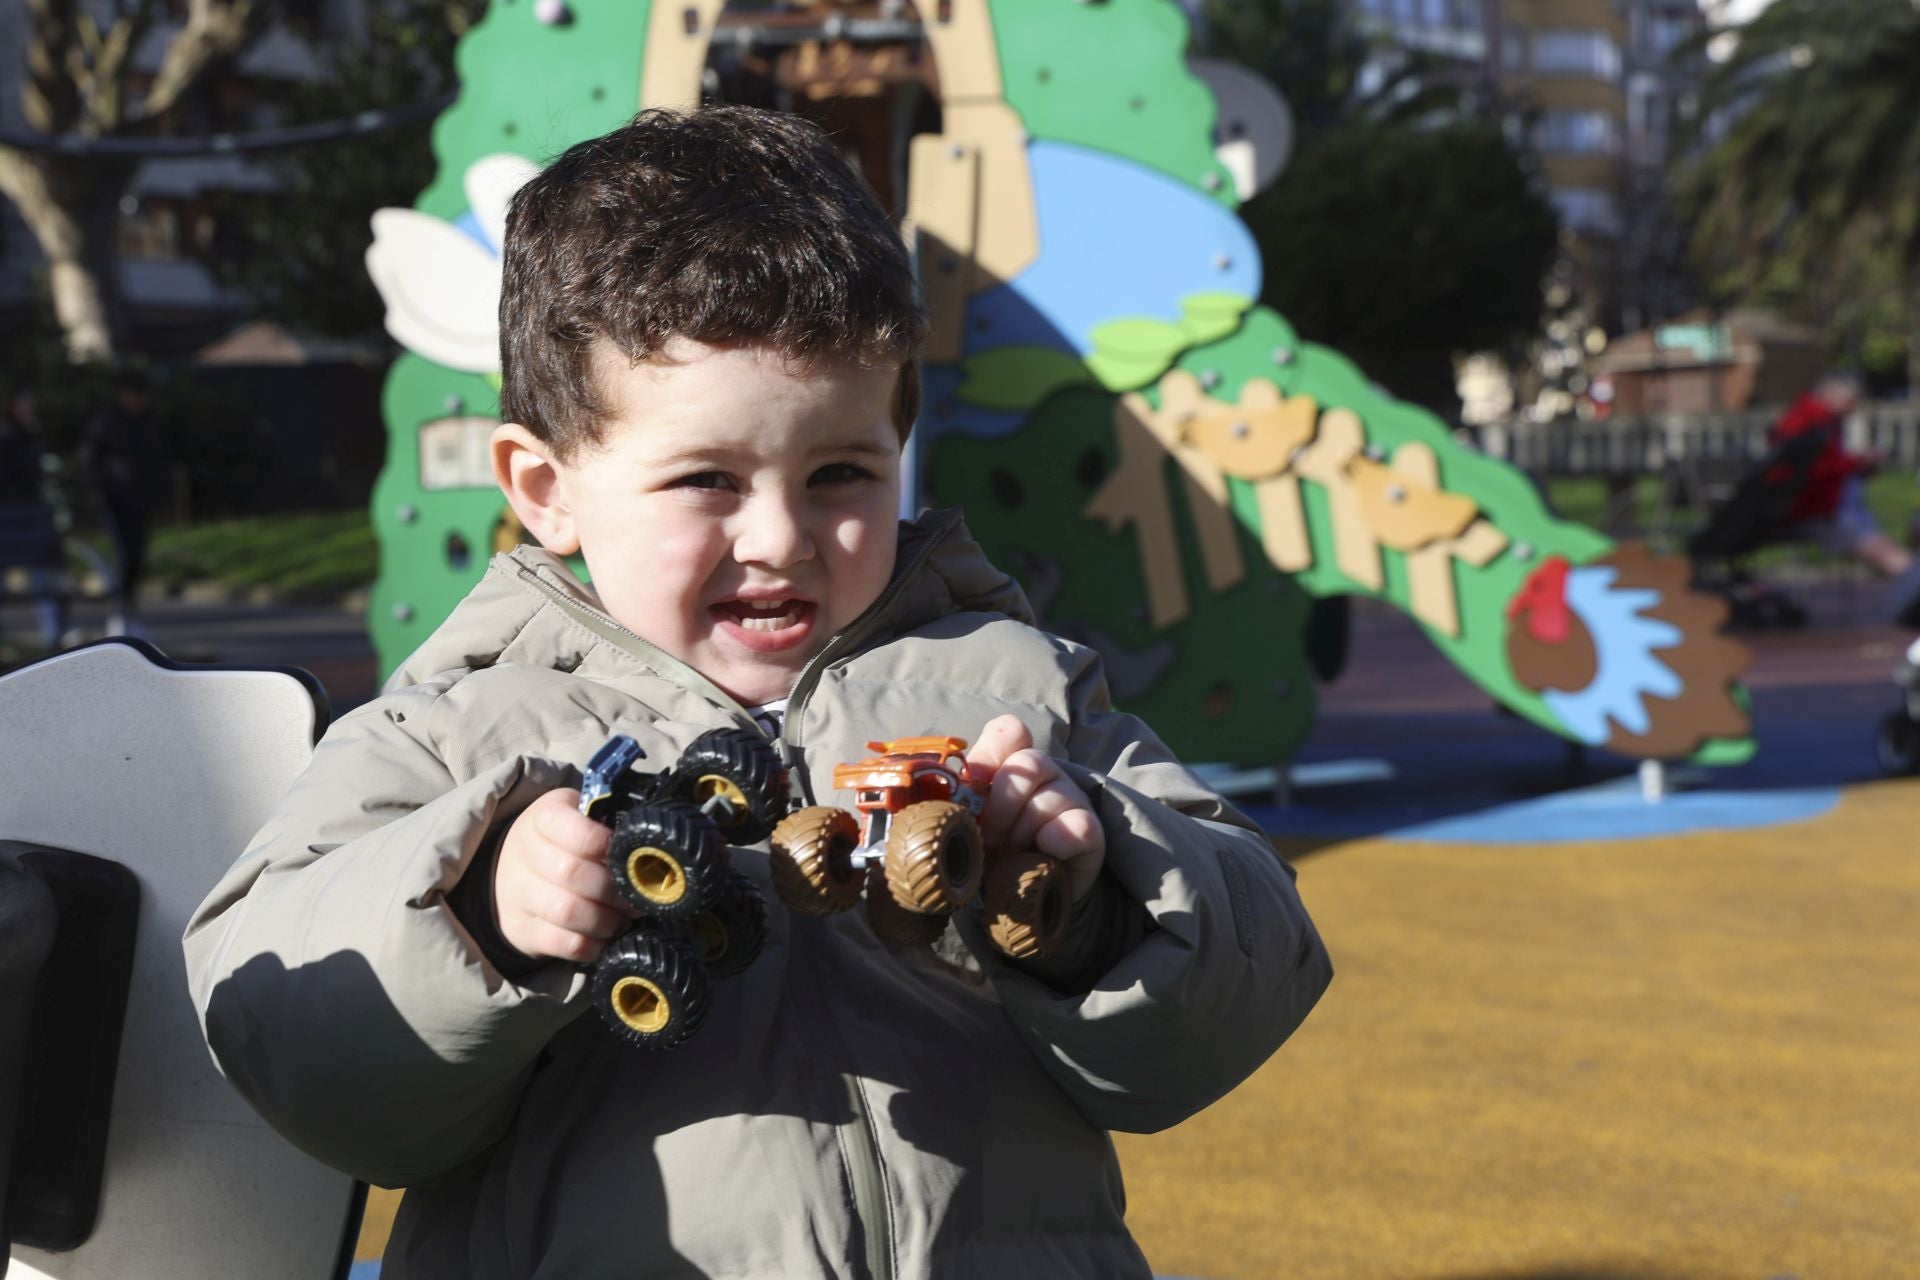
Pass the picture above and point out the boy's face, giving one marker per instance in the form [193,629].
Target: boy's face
[737,513]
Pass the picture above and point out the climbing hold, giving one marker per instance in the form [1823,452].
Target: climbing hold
[552,13]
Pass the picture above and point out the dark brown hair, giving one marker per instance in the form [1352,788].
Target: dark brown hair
[728,226]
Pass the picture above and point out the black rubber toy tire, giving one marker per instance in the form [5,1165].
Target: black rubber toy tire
[1897,744]
[686,871]
[729,935]
[650,990]
[743,762]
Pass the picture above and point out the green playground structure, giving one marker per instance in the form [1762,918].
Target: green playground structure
[1172,471]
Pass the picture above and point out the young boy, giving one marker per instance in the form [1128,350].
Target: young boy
[709,334]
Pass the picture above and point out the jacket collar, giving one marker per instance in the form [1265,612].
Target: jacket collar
[531,608]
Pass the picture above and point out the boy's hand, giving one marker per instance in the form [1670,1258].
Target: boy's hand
[553,896]
[1033,804]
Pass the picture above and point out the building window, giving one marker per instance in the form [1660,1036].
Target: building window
[1589,210]
[1577,133]
[1514,55]
[1576,53]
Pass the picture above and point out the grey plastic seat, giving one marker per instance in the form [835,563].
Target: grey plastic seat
[124,776]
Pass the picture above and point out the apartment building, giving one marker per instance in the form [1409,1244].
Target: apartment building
[1595,88]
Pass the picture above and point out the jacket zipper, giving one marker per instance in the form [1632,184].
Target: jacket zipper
[809,677]
[866,1175]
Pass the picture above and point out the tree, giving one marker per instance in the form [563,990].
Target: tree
[1404,247]
[1818,172]
[1405,229]
[81,83]
[297,252]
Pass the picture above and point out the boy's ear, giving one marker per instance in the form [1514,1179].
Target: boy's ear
[525,470]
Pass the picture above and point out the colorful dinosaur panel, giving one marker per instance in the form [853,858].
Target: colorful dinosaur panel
[1169,469]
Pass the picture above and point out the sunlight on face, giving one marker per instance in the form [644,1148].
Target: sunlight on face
[740,511]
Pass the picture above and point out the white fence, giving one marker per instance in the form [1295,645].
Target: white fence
[1654,445]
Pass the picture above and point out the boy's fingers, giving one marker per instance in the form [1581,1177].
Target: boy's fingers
[1070,835]
[572,913]
[543,940]
[1019,777]
[999,738]
[1047,806]
[562,826]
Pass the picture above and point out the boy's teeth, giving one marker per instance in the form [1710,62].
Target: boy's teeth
[767,615]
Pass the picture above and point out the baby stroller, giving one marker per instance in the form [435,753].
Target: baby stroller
[1753,516]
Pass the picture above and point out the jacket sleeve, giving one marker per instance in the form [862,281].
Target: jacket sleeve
[1229,967]
[337,988]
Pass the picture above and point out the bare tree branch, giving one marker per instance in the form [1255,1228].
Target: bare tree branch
[51,101]
[215,31]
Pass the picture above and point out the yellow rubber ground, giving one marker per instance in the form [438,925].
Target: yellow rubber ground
[1682,1058]
[1686,1058]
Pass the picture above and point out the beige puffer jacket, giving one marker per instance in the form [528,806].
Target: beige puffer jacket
[845,1110]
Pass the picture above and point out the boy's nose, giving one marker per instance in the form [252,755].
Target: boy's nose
[772,533]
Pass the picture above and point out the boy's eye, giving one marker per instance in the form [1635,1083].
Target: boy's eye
[840,473]
[704,480]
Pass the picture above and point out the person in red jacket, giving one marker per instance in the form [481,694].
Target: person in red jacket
[1831,508]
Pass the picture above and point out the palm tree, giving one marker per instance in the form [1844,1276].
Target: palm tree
[1817,109]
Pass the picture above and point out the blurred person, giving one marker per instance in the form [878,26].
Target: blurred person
[27,526]
[1831,507]
[122,453]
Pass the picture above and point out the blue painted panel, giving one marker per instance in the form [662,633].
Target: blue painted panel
[1117,241]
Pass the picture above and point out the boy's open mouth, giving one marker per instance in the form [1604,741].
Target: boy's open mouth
[768,624]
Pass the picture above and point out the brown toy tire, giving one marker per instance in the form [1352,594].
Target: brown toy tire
[1026,903]
[813,872]
[934,858]
[892,923]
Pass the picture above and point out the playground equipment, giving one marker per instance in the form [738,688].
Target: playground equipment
[1171,470]
[132,1157]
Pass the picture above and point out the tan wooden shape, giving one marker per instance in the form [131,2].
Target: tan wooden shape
[1255,439]
[965,51]
[1283,524]
[1326,462]
[1008,239]
[942,208]
[674,58]
[1479,544]
[1430,586]
[1404,503]
[1135,496]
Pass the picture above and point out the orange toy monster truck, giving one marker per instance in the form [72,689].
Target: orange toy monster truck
[918,856]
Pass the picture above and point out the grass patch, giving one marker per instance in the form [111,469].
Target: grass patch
[306,553]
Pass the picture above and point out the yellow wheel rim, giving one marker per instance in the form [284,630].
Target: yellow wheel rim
[641,1005]
[709,785]
[656,875]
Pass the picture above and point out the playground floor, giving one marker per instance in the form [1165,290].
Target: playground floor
[1557,1047]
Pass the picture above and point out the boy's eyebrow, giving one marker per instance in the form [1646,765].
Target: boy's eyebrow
[710,454]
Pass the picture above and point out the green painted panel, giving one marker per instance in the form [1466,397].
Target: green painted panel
[1229,683]
[1134,97]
